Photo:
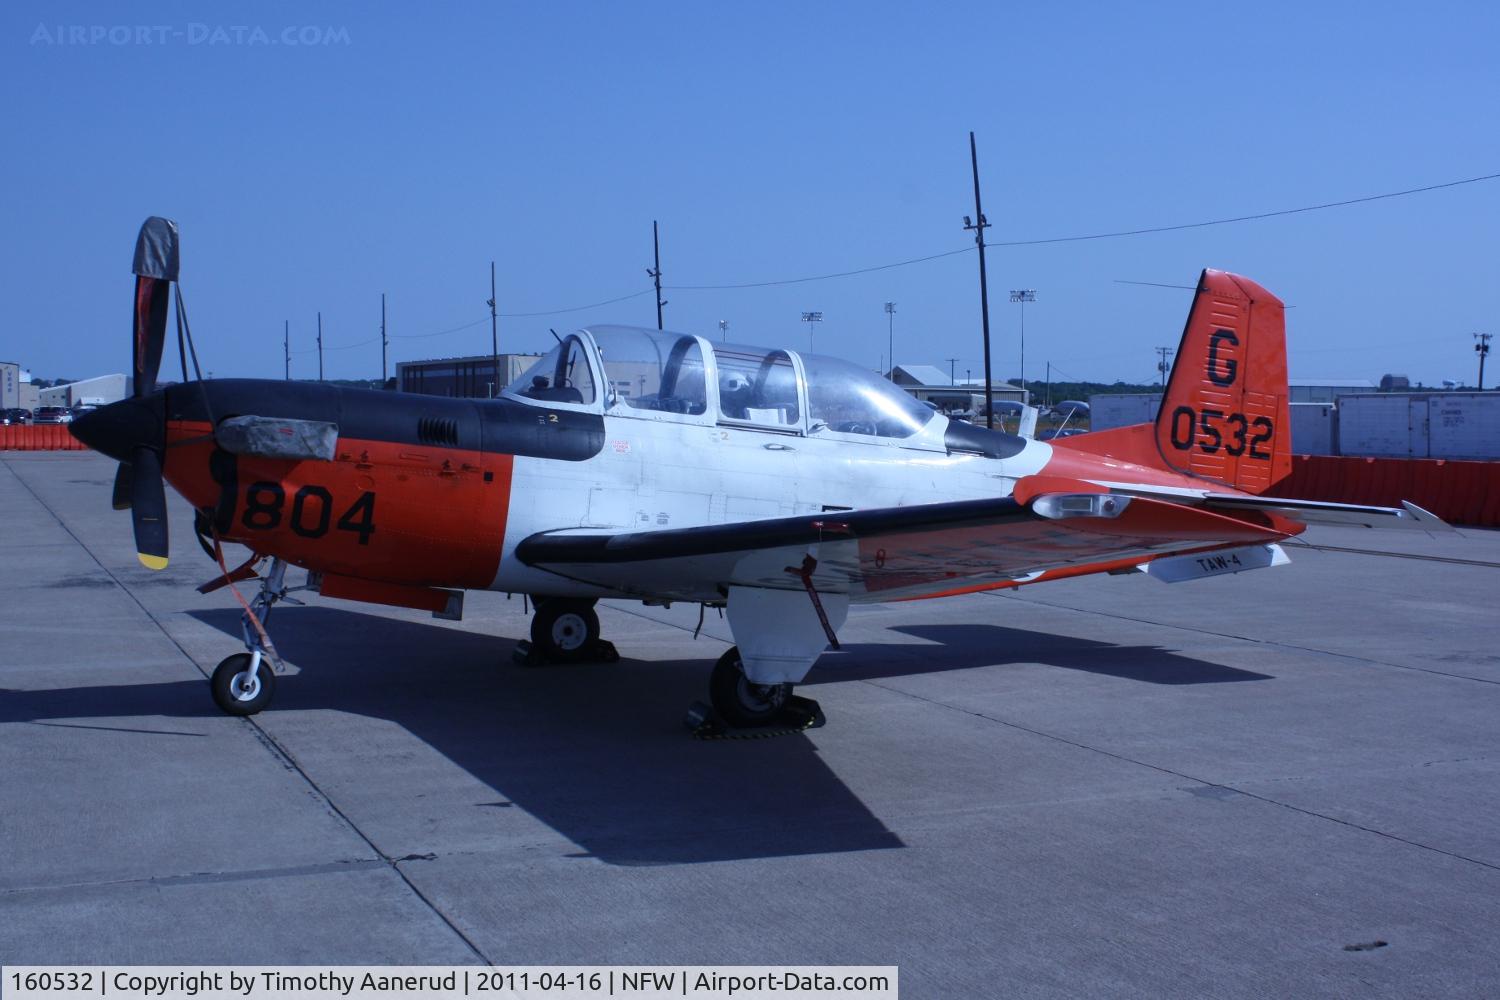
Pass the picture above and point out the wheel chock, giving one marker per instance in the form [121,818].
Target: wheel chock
[601,651]
[796,716]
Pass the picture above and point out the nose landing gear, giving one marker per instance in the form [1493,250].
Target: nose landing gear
[243,684]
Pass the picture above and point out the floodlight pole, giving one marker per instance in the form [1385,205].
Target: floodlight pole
[1482,348]
[984,292]
[1023,296]
[384,341]
[890,337]
[320,345]
[286,347]
[810,318]
[723,330]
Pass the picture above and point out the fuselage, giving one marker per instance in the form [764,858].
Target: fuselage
[432,491]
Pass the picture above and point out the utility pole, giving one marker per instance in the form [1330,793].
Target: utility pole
[984,291]
[1482,349]
[1023,296]
[494,331]
[1047,399]
[810,318]
[655,272]
[952,373]
[723,330]
[890,336]
[384,342]
[286,347]
[320,345]
[1163,366]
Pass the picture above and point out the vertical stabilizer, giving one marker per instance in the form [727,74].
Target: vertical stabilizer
[1225,414]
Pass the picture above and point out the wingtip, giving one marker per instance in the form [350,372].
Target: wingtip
[152,562]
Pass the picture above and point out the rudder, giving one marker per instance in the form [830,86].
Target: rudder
[1225,414]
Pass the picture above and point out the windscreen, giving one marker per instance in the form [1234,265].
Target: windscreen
[850,400]
[653,370]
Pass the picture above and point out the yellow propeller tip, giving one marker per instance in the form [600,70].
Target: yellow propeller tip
[152,562]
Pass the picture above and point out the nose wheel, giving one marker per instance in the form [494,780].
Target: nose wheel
[740,701]
[243,684]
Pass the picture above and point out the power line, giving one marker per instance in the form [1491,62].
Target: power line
[1091,236]
[574,309]
[924,259]
[1248,218]
[817,277]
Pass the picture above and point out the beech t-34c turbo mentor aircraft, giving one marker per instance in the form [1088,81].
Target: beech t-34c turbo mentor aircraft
[637,464]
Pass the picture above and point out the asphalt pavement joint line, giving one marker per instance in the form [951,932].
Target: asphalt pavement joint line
[1243,638]
[261,735]
[1186,777]
[201,878]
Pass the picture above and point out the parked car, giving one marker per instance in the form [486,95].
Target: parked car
[52,415]
[14,415]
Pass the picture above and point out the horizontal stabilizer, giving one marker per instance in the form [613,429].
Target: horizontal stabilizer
[1408,515]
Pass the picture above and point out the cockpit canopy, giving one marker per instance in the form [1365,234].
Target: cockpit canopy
[631,371]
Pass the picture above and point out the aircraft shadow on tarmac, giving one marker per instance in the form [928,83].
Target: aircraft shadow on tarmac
[596,751]
[963,646]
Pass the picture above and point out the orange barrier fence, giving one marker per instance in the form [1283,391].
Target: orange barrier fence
[1458,492]
[39,437]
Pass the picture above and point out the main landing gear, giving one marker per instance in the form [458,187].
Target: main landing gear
[243,684]
[740,701]
[745,710]
[566,630]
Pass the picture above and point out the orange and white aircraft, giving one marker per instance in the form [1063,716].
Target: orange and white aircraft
[637,464]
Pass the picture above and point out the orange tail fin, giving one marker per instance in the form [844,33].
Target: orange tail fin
[1225,414]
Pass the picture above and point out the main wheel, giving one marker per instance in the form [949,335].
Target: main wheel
[236,691]
[739,700]
[564,630]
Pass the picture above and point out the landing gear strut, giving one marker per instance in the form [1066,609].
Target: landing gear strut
[740,701]
[242,684]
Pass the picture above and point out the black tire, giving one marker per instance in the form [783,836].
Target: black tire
[739,701]
[564,630]
[238,702]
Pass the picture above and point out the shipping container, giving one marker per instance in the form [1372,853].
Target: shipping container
[1122,409]
[1453,425]
[1313,428]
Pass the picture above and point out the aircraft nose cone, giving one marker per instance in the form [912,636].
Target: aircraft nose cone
[117,429]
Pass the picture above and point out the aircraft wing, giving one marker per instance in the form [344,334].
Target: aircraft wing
[894,553]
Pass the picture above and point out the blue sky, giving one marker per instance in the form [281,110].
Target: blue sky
[771,141]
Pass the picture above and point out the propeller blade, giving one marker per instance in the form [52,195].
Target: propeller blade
[148,508]
[156,265]
[121,497]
